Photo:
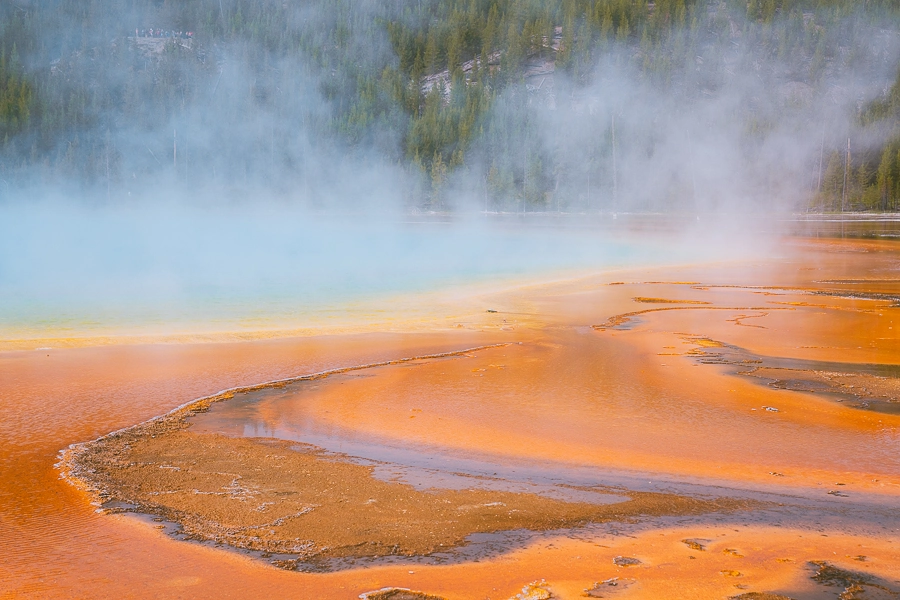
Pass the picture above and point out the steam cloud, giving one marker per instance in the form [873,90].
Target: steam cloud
[217,190]
[735,128]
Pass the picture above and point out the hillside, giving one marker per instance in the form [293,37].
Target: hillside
[501,104]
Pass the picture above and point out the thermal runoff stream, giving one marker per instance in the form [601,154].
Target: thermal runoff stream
[534,411]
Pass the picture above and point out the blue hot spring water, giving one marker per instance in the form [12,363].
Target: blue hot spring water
[82,272]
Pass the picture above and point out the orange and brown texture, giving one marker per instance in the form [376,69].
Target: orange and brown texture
[703,431]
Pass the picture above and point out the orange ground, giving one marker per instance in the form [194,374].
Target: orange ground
[613,399]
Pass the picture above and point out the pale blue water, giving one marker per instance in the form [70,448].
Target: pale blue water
[82,272]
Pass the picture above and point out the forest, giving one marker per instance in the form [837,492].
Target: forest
[502,105]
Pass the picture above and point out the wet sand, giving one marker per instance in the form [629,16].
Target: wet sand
[579,396]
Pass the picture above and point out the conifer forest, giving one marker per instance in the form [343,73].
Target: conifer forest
[501,105]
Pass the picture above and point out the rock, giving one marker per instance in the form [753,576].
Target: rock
[536,590]
[626,561]
[603,589]
[397,594]
[695,544]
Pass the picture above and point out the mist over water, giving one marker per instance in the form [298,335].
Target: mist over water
[77,271]
[267,172]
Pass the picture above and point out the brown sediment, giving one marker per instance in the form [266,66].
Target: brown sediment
[869,390]
[70,469]
[282,497]
[894,299]
[646,300]
[863,386]
[804,304]
[872,281]
[609,587]
[855,585]
[694,544]
[618,321]
[397,594]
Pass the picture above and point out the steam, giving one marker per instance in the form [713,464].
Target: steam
[249,192]
[732,132]
[82,271]
[734,129]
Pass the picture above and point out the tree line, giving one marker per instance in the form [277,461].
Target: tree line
[454,93]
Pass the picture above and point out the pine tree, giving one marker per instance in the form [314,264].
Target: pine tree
[833,180]
[886,176]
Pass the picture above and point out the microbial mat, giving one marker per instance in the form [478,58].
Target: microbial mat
[708,429]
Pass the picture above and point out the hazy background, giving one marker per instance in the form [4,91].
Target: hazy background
[261,161]
[435,105]
[83,272]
